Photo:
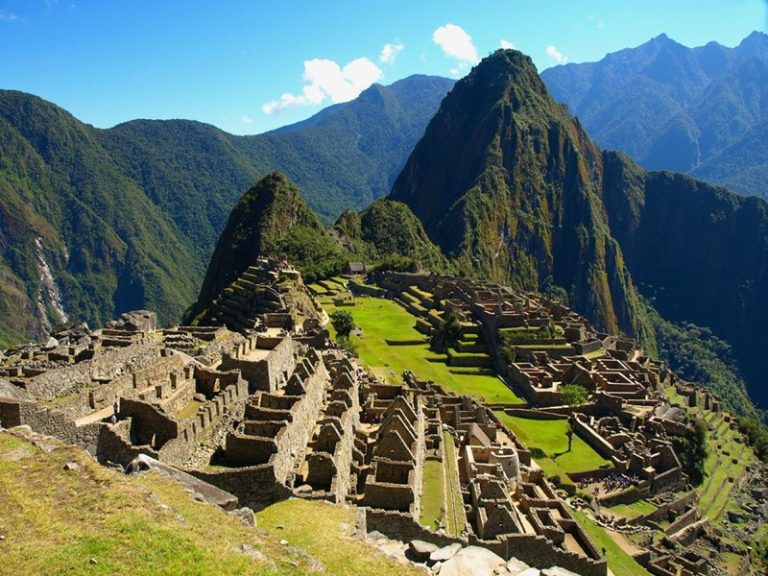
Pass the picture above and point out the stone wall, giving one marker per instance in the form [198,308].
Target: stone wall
[401,526]
[108,364]
[205,423]
[49,421]
[254,486]
[539,552]
[266,374]
[534,550]
[149,425]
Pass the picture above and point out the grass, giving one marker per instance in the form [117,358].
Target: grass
[620,563]
[629,511]
[382,320]
[549,435]
[716,489]
[432,494]
[324,530]
[456,520]
[96,521]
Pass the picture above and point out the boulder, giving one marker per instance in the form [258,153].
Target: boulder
[8,390]
[557,571]
[473,561]
[515,566]
[137,320]
[445,553]
[420,550]
[202,491]
[245,515]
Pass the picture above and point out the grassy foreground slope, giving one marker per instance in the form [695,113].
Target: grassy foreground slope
[92,520]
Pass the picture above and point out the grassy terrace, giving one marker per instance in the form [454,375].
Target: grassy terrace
[325,531]
[620,563]
[94,521]
[432,494]
[455,518]
[549,435]
[720,466]
[382,320]
[629,511]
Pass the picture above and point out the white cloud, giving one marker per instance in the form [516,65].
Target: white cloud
[245,119]
[390,51]
[7,16]
[506,44]
[326,79]
[556,55]
[456,43]
[598,22]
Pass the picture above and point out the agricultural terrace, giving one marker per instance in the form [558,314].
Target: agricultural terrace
[389,345]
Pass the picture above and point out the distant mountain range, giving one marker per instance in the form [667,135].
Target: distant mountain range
[702,111]
[96,222]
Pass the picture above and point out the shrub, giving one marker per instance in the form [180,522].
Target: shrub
[537,452]
[343,323]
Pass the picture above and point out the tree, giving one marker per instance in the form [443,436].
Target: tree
[343,323]
[691,449]
[448,333]
[573,394]
[569,433]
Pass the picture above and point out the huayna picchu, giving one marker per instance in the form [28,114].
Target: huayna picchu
[532,357]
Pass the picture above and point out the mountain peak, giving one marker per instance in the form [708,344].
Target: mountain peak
[264,215]
[504,178]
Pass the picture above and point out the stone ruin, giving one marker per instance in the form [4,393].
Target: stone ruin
[273,412]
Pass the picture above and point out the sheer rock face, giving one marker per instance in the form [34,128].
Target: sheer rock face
[508,183]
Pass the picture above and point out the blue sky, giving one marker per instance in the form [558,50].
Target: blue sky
[251,66]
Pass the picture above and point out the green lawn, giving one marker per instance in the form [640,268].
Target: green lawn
[620,563]
[629,511]
[455,517]
[549,435]
[382,320]
[432,494]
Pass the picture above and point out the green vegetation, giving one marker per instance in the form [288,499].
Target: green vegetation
[448,334]
[432,495]
[511,336]
[757,434]
[129,216]
[325,531]
[700,357]
[727,457]
[573,394]
[381,320]
[343,323]
[388,233]
[550,436]
[629,511]
[455,518]
[620,563]
[93,520]
[691,449]
[512,226]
